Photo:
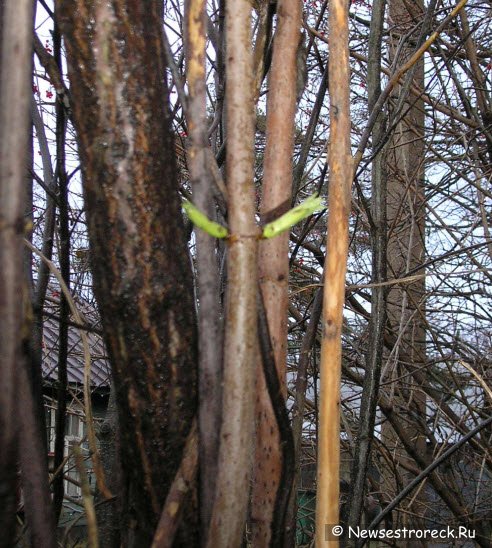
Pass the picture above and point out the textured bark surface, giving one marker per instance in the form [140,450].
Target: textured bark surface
[273,261]
[377,324]
[11,223]
[406,248]
[20,432]
[298,409]
[340,162]
[140,264]
[64,262]
[107,516]
[208,279]
[176,497]
[240,343]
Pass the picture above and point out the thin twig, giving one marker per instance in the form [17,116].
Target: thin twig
[284,427]
[90,512]
[413,484]
[395,80]
[479,378]
[183,481]
[91,434]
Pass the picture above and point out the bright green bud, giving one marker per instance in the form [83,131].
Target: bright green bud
[292,217]
[200,220]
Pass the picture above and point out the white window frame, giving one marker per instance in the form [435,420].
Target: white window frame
[50,427]
[71,471]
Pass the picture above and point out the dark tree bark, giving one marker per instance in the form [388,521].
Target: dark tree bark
[40,285]
[405,165]
[308,346]
[19,426]
[107,510]
[377,322]
[64,258]
[33,459]
[10,281]
[142,276]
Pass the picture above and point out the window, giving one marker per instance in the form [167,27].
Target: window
[74,432]
[74,426]
[72,489]
[50,415]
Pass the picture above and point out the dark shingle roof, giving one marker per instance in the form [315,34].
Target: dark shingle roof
[100,376]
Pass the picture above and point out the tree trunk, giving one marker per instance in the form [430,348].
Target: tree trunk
[209,316]
[337,241]
[107,515]
[12,155]
[274,262]
[140,264]
[406,243]
[20,434]
[240,342]
[377,324]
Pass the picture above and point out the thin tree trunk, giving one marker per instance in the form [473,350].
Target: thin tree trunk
[340,163]
[377,324]
[176,497]
[274,261]
[108,517]
[209,320]
[64,259]
[13,145]
[34,463]
[16,409]
[38,293]
[240,345]
[33,349]
[309,134]
[307,347]
[43,272]
[406,248]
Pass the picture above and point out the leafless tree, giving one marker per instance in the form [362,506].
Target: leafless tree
[217,345]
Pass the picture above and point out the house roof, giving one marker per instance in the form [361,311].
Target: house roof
[100,369]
